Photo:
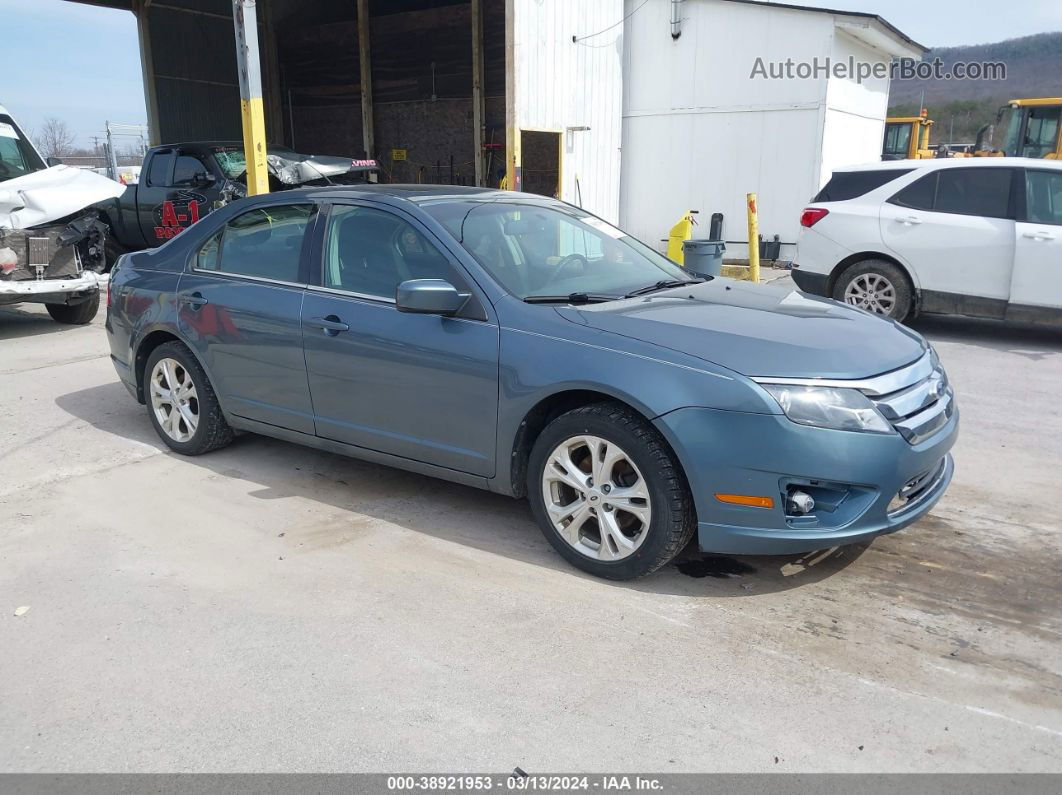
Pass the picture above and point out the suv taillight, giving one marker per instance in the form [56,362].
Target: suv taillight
[812,215]
[109,291]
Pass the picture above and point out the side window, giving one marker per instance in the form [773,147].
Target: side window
[207,258]
[161,166]
[371,252]
[1041,133]
[974,191]
[1043,197]
[844,185]
[919,195]
[186,169]
[265,242]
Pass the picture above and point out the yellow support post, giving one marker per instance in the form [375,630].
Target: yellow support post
[245,20]
[754,239]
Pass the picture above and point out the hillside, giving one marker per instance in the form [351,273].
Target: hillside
[960,107]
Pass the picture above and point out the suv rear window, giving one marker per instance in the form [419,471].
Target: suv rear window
[845,185]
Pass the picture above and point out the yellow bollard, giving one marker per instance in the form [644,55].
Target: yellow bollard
[754,239]
[679,234]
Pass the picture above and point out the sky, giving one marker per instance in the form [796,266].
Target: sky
[81,63]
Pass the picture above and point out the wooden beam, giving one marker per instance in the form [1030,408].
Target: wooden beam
[478,108]
[365,66]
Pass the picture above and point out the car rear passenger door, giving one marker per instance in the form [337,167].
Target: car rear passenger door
[1037,280]
[240,308]
[423,387]
[954,229]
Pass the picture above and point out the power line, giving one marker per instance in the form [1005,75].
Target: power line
[577,39]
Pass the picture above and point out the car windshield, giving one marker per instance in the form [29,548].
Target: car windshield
[231,160]
[17,156]
[536,250]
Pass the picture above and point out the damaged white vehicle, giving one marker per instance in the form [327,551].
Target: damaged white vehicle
[52,242]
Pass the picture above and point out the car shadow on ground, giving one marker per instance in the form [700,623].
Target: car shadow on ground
[18,321]
[1032,342]
[459,514]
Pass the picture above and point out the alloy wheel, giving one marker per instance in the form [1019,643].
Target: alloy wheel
[174,399]
[596,498]
[872,292]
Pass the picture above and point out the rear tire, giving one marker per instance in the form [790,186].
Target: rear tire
[638,515]
[181,402]
[75,314]
[877,286]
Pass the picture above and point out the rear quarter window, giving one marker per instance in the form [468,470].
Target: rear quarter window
[845,185]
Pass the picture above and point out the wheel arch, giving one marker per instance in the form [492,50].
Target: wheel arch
[147,344]
[547,409]
[862,256]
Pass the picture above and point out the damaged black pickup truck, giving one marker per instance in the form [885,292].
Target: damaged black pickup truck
[180,183]
[52,241]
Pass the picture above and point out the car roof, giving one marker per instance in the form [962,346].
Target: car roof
[415,193]
[953,162]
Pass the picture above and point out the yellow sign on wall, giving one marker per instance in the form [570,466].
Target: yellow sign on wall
[398,154]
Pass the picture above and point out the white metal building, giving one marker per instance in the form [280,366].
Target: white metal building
[699,131]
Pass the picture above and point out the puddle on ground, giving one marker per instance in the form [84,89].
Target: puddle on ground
[714,566]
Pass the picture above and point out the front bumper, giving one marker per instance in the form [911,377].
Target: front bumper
[762,454]
[32,288]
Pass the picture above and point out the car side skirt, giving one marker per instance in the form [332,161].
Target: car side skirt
[362,453]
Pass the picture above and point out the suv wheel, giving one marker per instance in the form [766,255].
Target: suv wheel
[877,286]
[608,493]
[181,402]
[75,314]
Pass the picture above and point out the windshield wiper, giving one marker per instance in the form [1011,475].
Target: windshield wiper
[570,298]
[662,285]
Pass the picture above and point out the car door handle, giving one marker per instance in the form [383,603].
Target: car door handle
[910,220]
[195,299]
[1038,235]
[331,325]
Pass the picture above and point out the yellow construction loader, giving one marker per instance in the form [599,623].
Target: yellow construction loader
[1028,128]
[907,137]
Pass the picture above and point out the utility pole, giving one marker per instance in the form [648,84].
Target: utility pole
[112,160]
[245,20]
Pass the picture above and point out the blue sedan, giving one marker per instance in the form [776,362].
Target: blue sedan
[522,345]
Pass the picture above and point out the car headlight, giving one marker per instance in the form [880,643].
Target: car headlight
[829,407]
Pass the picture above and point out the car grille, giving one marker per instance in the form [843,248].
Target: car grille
[917,400]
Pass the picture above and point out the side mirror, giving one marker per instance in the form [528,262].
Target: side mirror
[54,161]
[204,179]
[429,297]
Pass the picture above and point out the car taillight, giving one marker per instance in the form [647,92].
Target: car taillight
[108,292]
[812,215]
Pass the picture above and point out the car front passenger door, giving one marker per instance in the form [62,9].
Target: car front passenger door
[423,387]
[1038,243]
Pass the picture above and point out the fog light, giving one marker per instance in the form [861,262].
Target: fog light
[799,503]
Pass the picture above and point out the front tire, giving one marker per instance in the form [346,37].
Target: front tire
[877,286]
[608,492]
[75,314]
[181,402]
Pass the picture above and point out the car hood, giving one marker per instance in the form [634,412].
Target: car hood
[759,330]
[51,194]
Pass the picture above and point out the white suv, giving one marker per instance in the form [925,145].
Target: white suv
[969,236]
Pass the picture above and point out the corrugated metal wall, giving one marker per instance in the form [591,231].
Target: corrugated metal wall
[561,83]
